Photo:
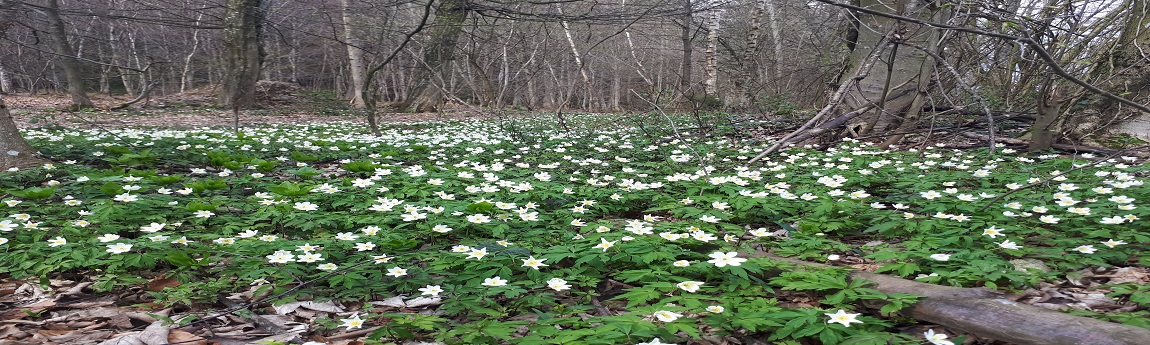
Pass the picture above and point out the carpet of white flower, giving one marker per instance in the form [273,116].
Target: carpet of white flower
[532,235]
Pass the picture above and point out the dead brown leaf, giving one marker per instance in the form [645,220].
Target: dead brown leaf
[161,283]
[184,338]
[26,311]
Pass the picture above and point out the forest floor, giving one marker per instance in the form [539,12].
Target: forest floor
[68,309]
[41,110]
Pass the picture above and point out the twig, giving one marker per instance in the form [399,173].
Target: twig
[355,334]
[674,129]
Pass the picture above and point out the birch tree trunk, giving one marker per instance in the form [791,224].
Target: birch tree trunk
[114,52]
[186,76]
[355,61]
[5,81]
[67,60]
[639,68]
[777,39]
[141,74]
[711,68]
[587,87]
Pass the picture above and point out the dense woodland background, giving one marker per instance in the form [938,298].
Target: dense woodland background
[888,65]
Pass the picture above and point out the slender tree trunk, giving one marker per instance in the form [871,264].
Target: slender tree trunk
[243,40]
[186,76]
[616,92]
[638,62]
[483,87]
[777,39]
[5,81]
[105,82]
[711,68]
[67,59]
[532,96]
[687,62]
[14,150]
[587,87]
[355,58]
[141,73]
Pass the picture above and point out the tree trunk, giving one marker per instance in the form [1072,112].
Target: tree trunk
[355,59]
[483,88]
[687,61]
[750,69]
[5,82]
[642,71]
[67,56]
[186,74]
[243,41]
[587,87]
[14,150]
[427,93]
[711,84]
[777,39]
[1126,72]
[1044,132]
[905,72]
[105,82]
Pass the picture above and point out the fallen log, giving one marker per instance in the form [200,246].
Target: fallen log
[1063,147]
[986,313]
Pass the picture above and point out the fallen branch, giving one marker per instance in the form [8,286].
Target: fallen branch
[143,95]
[836,122]
[1063,147]
[985,313]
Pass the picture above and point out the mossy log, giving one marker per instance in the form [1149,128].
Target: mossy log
[985,313]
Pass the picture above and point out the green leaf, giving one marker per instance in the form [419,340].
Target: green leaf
[871,338]
[34,193]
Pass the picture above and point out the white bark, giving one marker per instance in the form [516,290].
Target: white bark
[578,59]
[753,31]
[143,76]
[776,38]
[638,62]
[355,55]
[186,74]
[5,81]
[711,68]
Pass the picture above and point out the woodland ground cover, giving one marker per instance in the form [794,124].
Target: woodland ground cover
[519,231]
